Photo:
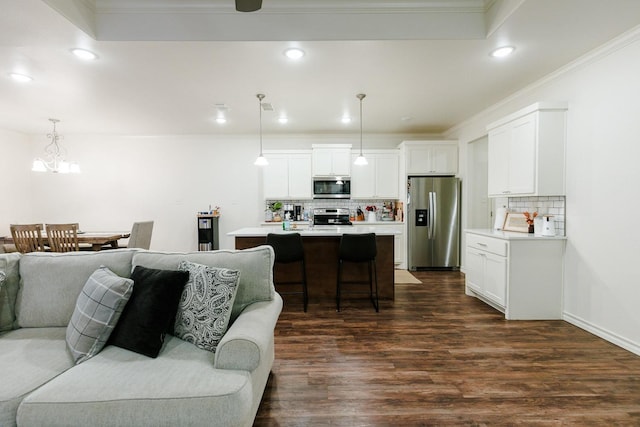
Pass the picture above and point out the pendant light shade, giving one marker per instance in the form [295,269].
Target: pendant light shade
[361,160]
[261,160]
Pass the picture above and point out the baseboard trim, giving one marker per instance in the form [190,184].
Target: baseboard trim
[602,333]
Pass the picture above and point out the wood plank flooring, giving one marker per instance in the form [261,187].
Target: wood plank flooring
[435,356]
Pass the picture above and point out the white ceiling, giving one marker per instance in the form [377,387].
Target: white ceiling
[164,64]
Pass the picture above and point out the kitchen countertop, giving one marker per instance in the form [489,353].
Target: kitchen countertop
[511,235]
[318,230]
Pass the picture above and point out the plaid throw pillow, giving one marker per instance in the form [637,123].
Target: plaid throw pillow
[97,311]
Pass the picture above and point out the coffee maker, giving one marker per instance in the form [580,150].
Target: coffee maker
[297,213]
[289,212]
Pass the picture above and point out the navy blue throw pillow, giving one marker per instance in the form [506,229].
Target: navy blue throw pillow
[151,310]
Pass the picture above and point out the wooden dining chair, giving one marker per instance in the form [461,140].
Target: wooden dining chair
[27,237]
[63,237]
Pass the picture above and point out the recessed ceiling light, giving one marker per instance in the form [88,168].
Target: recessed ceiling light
[221,120]
[345,119]
[84,54]
[283,120]
[294,53]
[502,51]
[22,78]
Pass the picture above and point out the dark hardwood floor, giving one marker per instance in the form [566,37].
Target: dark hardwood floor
[435,356]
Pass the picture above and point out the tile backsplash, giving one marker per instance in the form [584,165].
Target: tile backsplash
[309,205]
[544,205]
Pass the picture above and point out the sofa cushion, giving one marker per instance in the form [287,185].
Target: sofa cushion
[205,306]
[9,265]
[151,310]
[29,357]
[97,311]
[51,282]
[255,266]
[121,388]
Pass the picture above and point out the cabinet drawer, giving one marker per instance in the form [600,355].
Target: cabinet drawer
[483,243]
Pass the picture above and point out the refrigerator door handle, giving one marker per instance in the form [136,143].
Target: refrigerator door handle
[434,214]
[430,229]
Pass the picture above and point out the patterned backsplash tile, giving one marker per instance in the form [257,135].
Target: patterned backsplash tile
[544,205]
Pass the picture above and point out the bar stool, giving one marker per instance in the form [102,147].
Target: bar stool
[358,248]
[288,249]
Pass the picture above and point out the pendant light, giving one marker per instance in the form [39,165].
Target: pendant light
[361,160]
[261,160]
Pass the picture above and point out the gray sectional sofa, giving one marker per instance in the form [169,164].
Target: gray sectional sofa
[40,385]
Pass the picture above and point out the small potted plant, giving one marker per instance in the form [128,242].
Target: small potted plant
[275,209]
[529,217]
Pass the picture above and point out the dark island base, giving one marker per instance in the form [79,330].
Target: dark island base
[321,258]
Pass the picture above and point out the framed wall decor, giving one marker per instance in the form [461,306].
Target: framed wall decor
[516,221]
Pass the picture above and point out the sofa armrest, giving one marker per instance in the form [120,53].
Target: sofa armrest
[250,337]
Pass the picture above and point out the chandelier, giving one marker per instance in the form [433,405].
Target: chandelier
[55,156]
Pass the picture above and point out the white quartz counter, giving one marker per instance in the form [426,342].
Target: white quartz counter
[511,235]
[318,230]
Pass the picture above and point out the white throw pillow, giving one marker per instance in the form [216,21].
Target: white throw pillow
[97,311]
[205,307]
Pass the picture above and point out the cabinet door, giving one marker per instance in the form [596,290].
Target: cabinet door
[300,176]
[498,158]
[522,156]
[386,176]
[275,177]
[495,277]
[419,160]
[474,269]
[444,159]
[363,182]
[322,162]
[341,162]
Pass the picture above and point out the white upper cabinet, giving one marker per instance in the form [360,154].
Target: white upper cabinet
[431,157]
[288,175]
[377,180]
[331,160]
[527,152]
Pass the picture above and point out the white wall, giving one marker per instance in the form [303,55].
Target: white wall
[167,179]
[601,285]
[15,185]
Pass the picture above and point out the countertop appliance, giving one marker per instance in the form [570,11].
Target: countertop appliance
[335,187]
[331,216]
[548,226]
[433,221]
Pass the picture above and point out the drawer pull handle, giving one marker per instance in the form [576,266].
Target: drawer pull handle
[482,244]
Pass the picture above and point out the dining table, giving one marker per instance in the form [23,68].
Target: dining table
[94,240]
[100,239]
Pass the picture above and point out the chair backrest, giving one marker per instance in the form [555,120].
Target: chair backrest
[63,237]
[358,247]
[287,247]
[27,237]
[141,235]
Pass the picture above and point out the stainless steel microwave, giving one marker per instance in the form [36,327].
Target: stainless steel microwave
[331,188]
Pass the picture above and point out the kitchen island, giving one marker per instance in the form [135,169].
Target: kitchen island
[321,245]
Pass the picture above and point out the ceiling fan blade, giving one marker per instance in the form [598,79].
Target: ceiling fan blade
[248,5]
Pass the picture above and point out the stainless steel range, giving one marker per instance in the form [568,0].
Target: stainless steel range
[331,216]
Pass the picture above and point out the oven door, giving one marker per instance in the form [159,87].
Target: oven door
[331,188]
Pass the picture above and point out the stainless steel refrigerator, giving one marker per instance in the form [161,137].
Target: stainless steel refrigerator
[433,217]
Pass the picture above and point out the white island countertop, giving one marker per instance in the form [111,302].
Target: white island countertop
[318,230]
[511,235]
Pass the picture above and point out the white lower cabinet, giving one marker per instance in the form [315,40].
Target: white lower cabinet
[519,275]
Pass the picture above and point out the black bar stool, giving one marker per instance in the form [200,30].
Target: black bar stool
[288,248]
[358,248]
